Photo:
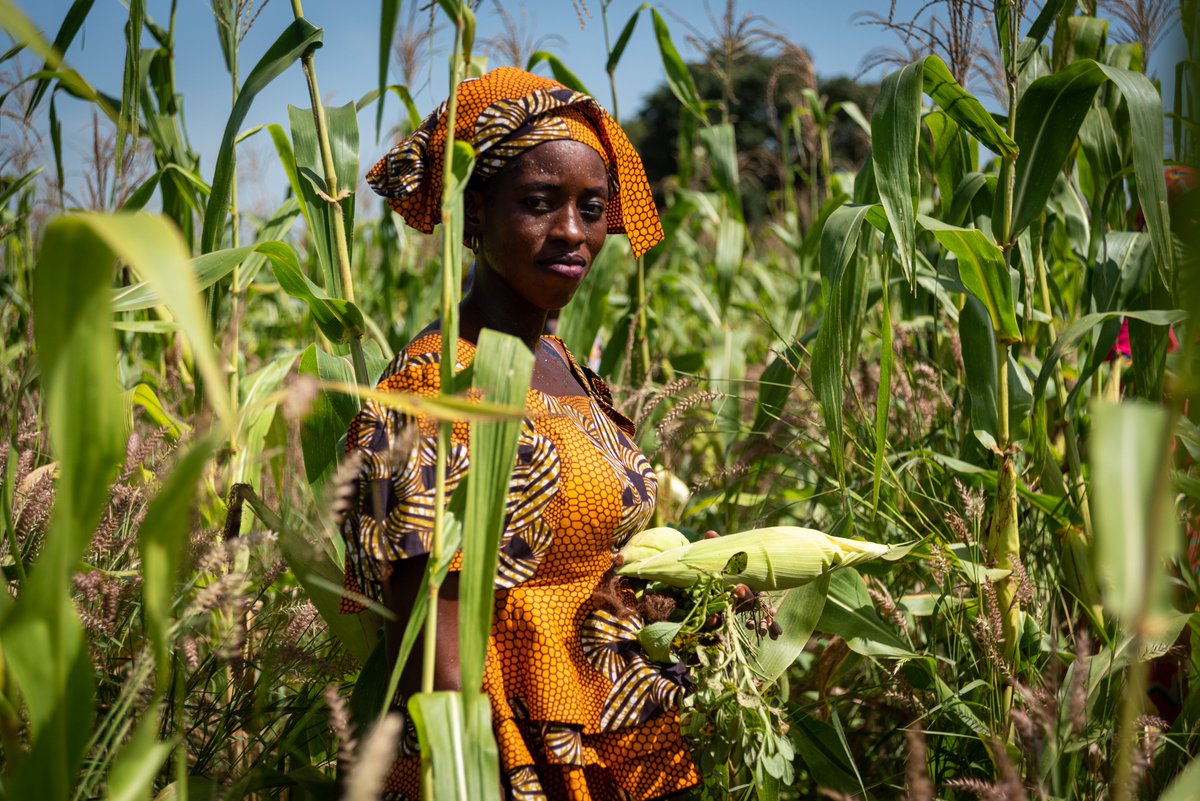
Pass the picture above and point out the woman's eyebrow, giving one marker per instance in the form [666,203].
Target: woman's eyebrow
[552,186]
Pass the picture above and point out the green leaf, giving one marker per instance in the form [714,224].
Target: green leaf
[775,387]
[797,614]
[207,269]
[389,10]
[842,275]
[155,251]
[895,125]
[463,766]
[15,186]
[979,363]
[679,79]
[825,755]
[1186,785]
[308,179]
[579,323]
[1133,514]
[883,392]
[503,366]
[983,272]
[143,395]
[72,22]
[256,411]
[1076,330]
[964,108]
[136,766]
[850,613]
[131,79]
[329,417]
[561,73]
[1048,119]
[1146,134]
[299,37]
[41,635]
[619,48]
[162,542]
[656,639]
[338,319]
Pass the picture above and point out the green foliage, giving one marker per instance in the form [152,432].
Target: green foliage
[938,375]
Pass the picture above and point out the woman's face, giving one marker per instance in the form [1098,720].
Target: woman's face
[541,222]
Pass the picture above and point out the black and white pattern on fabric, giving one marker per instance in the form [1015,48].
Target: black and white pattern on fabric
[641,689]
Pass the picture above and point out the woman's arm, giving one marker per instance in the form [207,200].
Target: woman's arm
[399,595]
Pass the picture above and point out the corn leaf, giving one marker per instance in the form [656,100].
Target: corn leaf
[979,363]
[679,79]
[797,614]
[503,367]
[299,37]
[328,418]
[41,634]
[1133,514]
[162,542]
[850,613]
[136,767]
[307,177]
[618,49]
[1146,135]
[463,767]
[1074,332]
[964,108]
[895,126]
[389,10]
[982,270]
[562,73]
[153,248]
[72,21]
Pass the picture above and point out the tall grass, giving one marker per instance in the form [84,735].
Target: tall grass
[925,359]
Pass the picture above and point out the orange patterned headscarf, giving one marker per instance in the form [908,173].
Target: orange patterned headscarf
[503,114]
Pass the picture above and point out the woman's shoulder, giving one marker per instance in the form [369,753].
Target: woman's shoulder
[418,364]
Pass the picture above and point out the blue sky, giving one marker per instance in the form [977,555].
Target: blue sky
[347,64]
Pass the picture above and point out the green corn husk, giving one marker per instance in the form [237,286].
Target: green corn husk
[764,559]
[652,542]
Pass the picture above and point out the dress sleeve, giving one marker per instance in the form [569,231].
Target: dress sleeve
[392,458]
[390,506]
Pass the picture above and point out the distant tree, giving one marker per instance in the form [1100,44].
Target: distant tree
[765,89]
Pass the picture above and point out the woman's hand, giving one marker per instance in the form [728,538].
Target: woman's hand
[751,602]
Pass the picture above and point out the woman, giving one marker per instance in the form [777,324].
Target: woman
[578,710]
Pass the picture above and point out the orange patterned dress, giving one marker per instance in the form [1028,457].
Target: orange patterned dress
[578,710]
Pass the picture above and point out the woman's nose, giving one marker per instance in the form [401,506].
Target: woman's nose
[569,225]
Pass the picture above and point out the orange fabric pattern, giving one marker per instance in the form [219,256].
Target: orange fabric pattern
[502,114]
[579,711]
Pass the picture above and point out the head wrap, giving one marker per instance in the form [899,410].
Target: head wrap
[502,114]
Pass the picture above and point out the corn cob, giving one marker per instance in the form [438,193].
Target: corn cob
[774,558]
[652,542]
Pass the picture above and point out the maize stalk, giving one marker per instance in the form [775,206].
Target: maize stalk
[764,559]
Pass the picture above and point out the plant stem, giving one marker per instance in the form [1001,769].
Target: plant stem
[1003,536]
[346,290]
[612,81]
[451,286]
[235,282]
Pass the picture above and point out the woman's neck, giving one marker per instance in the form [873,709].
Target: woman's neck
[492,303]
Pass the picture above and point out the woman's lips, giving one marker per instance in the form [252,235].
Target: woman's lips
[568,267]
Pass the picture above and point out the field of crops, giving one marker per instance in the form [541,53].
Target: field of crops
[914,349]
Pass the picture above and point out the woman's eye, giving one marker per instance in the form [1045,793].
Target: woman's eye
[537,204]
[593,211]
